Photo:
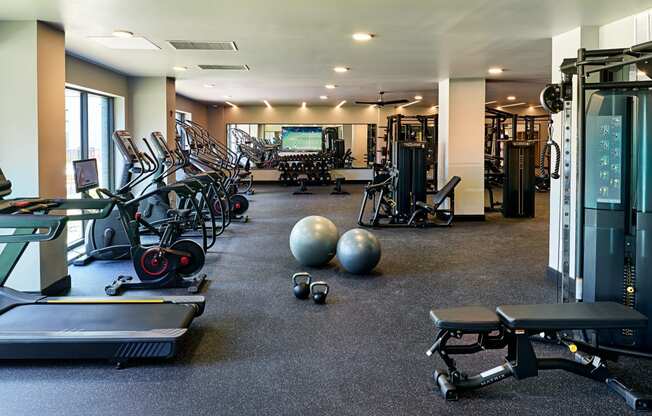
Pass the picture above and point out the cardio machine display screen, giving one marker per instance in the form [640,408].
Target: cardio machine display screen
[86,176]
[301,139]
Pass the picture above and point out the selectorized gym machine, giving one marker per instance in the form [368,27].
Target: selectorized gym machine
[510,164]
[606,302]
[33,326]
[399,191]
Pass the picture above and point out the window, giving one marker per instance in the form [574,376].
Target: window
[89,124]
[182,116]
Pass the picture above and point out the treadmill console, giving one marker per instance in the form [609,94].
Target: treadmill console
[86,177]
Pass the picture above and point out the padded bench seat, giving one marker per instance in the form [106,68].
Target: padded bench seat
[467,318]
[599,315]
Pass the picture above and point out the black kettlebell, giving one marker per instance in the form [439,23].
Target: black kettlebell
[319,295]
[301,289]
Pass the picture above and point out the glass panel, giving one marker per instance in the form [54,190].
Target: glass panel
[99,135]
[73,152]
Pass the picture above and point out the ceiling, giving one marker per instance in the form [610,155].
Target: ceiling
[291,46]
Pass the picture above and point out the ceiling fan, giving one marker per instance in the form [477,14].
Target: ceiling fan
[381,103]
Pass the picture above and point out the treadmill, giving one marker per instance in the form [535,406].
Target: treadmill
[34,326]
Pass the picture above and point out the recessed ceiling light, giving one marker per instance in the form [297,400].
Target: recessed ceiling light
[267,104]
[209,85]
[340,69]
[180,68]
[330,86]
[511,98]
[495,71]
[123,34]
[418,97]
[362,37]
[323,97]
[228,97]
[341,104]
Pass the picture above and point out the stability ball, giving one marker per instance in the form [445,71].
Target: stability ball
[358,251]
[313,241]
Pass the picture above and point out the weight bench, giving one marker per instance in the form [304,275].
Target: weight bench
[512,326]
[444,216]
[339,180]
[303,189]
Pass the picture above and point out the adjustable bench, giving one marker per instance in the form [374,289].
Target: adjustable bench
[512,326]
[445,216]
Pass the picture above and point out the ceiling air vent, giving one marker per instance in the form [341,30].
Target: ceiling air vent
[225,67]
[203,46]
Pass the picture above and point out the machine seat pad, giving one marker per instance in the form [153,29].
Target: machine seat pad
[467,318]
[598,315]
[440,196]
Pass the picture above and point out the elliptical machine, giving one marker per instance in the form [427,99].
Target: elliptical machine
[206,155]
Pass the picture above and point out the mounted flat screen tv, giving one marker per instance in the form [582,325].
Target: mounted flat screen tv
[301,139]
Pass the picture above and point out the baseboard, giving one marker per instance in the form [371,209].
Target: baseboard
[60,287]
[470,218]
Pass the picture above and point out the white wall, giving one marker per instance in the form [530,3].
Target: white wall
[18,104]
[32,147]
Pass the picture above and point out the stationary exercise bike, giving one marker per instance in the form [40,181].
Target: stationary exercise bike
[106,239]
[171,262]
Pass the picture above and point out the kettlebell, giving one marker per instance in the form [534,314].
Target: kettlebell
[301,288]
[319,295]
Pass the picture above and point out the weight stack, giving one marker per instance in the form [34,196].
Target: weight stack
[518,185]
[411,184]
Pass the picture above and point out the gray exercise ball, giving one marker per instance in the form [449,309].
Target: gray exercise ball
[313,241]
[358,251]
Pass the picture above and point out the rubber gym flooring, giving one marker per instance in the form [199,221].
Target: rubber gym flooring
[259,351]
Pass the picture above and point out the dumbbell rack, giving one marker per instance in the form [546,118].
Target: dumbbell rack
[314,169]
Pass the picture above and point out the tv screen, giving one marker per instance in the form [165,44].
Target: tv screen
[301,139]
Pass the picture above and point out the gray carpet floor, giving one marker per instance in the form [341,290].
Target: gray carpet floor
[259,351]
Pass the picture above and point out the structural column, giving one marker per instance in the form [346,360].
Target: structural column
[152,108]
[461,142]
[33,144]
